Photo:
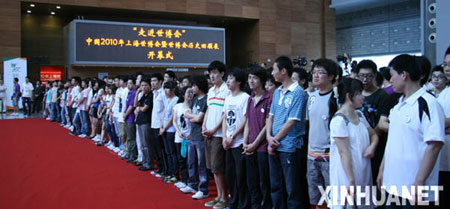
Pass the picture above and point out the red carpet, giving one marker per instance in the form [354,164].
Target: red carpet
[43,167]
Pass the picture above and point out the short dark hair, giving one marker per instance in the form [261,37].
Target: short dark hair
[77,79]
[366,64]
[406,63]
[172,85]
[124,78]
[385,72]
[425,67]
[448,51]
[379,79]
[437,68]
[16,79]
[286,63]
[259,72]
[132,78]
[188,77]
[218,65]
[329,65]
[171,74]
[201,82]
[158,76]
[240,76]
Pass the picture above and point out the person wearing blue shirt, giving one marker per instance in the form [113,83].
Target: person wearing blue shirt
[285,129]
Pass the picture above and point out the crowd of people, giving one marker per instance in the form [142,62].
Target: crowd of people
[270,138]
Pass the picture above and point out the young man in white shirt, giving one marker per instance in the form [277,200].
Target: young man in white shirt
[211,130]
[117,109]
[27,94]
[122,125]
[156,144]
[233,128]
[416,135]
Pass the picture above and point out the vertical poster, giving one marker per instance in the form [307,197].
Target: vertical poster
[13,67]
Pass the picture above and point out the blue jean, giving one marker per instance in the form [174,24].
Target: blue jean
[77,123]
[84,122]
[198,177]
[54,115]
[285,180]
[117,130]
[63,115]
[109,127]
[171,152]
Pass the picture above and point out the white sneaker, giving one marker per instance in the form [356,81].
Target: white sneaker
[116,149]
[71,128]
[180,185]
[199,195]
[66,126]
[82,136]
[97,137]
[188,190]
[107,144]
[48,119]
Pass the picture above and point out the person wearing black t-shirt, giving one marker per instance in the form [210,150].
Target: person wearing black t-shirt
[143,119]
[373,105]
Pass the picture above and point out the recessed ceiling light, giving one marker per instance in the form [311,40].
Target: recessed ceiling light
[52,13]
[32,5]
[58,7]
[29,11]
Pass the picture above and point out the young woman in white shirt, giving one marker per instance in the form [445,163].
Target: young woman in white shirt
[168,131]
[182,126]
[353,143]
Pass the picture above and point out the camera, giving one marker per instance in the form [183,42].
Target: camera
[301,61]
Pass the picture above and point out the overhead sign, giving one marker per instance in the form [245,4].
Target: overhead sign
[120,43]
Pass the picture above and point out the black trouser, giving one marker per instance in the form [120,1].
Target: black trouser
[131,136]
[236,178]
[157,148]
[37,104]
[258,180]
[444,196]
[182,163]
[169,147]
[26,103]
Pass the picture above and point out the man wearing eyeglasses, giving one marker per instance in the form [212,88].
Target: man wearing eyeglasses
[373,106]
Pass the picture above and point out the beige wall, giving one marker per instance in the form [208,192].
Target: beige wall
[285,27]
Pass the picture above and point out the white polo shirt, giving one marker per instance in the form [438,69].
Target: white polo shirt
[215,102]
[27,89]
[158,108]
[406,143]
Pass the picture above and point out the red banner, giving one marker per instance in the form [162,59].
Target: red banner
[51,73]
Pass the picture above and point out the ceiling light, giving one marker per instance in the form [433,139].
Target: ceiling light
[32,5]
[58,7]
[52,13]
[29,11]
